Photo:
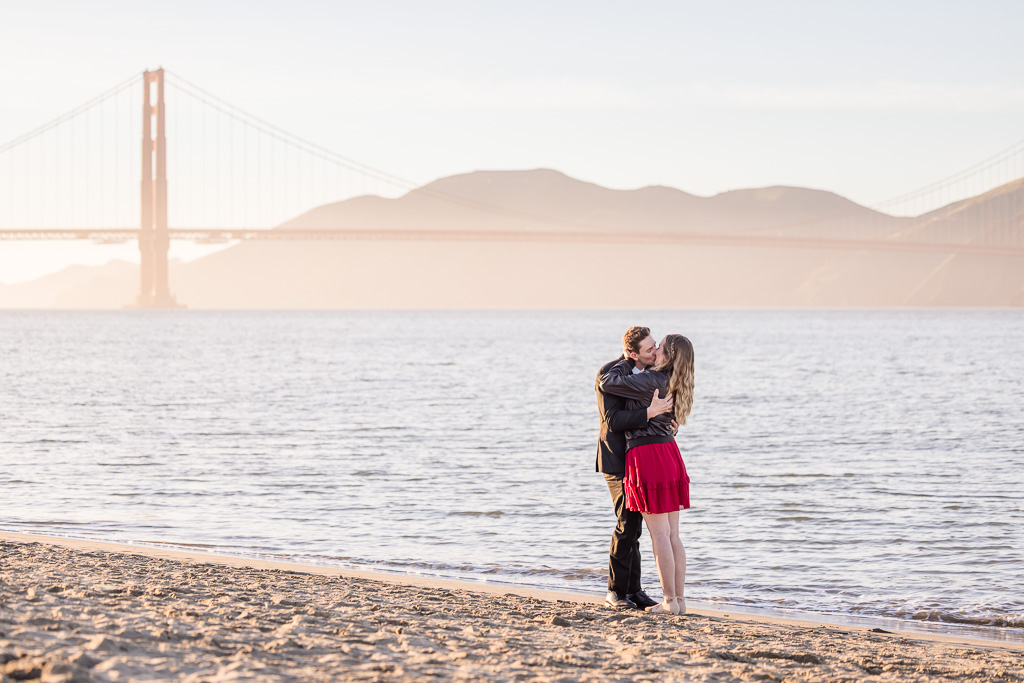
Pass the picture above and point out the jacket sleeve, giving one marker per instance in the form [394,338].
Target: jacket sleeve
[619,419]
[626,420]
[620,381]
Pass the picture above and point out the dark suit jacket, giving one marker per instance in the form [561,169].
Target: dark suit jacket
[616,420]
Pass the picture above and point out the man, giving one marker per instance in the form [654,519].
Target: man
[624,588]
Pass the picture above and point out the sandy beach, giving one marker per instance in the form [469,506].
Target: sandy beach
[87,611]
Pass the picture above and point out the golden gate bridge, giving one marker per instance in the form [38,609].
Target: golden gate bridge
[237,177]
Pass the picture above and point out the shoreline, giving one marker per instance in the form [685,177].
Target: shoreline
[74,610]
[883,625]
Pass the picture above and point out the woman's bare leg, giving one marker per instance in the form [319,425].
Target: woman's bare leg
[678,560]
[660,530]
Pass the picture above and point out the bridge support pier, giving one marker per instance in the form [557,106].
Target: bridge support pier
[154,241]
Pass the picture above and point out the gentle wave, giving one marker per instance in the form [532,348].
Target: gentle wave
[951,617]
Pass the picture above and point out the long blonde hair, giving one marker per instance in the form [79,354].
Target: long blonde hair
[677,363]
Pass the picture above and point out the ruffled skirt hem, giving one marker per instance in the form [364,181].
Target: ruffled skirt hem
[656,481]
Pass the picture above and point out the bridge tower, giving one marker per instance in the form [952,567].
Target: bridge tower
[154,241]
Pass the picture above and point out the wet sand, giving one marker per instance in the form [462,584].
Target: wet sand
[86,611]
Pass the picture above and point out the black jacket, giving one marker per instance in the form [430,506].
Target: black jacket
[616,420]
[638,390]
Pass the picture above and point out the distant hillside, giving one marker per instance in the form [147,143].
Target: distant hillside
[1000,210]
[74,287]
[353,274]
[548,200]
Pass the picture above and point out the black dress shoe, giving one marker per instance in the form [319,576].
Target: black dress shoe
[615,600]
[641,600]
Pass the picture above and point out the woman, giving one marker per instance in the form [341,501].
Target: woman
[656,482]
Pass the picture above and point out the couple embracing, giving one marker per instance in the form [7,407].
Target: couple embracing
[643,398]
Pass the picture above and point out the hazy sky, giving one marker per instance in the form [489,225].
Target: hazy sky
[867,99]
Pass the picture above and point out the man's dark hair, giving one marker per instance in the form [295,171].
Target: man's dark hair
[634,335]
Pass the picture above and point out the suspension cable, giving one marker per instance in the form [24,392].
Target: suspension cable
[1015,148]
[69,115]
[325,154]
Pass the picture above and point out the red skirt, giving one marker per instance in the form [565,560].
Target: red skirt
[656,479]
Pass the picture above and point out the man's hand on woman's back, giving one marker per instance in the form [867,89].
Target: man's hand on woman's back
[658,405]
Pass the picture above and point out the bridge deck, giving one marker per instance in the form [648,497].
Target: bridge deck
[231,234]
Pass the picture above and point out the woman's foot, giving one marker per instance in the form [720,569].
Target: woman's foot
[680,604]
[666,606]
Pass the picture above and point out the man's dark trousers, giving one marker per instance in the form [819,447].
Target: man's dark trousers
[624,555]
[616,420]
